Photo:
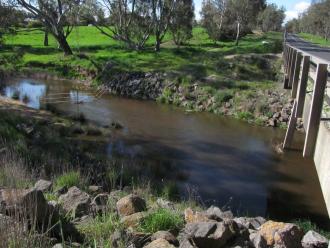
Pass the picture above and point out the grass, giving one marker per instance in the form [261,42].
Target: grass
[99,230]
[196,60]
[161,220]
[315,39]
[307,225]
[69,179]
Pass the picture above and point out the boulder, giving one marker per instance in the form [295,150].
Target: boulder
[268,230]
[211,234]
[130,204]
[160,243]
[76,202]
[43,185]
[165,235]
[250,223]
[100,203]
[289,236]
[314,240]
[257,240]
[133,220]
[94,189]
[137,239]
[215,213]
[28,202]
[193,217]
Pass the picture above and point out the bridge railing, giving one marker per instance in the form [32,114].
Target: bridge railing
[300,67]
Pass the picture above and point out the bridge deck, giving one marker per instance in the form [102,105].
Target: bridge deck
[321,53]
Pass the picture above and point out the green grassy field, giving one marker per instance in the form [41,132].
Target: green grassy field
[315,39]
[199,58]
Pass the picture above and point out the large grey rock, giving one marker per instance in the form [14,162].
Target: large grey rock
[257,240]
[250,223]
[217,214]
[165,235]
[159,243]
[99,203]
[26,202]
[75,202]
[130,204]
[314,240]
[288,237]
[43,185]
[211,234]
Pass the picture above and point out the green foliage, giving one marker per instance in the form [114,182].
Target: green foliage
[244,115]
[170,191]
[161,219]
[69,179]
[223,96]
[307,225]
[98,231]
[315,39]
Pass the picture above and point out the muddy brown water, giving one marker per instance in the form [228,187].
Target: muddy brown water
[217,159]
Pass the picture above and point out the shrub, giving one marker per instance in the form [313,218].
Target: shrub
[244,115]
[223,96]
[99,230]
[69,179]
[161,220]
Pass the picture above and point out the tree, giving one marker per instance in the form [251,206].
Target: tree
[57,16]
[161,14]
[213,15]
[9,19]
[181,23]
[271,18]
[129,21]
[242,13]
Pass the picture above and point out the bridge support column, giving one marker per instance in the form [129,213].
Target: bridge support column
[296,74]
[315,110]
[292,67]
[291,127]
[302,86]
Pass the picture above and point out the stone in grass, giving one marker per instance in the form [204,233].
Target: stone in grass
[132,220]
[193,217]
[76,202]
[281,234]
[130,204]
[159,243]
[215,213]
[289,236]
[99,204]
[211,234]
[165,235]
[257,240]
[43,185]
[250,223]
[314,240]
[95,189]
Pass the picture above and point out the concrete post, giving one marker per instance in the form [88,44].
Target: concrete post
[302,86]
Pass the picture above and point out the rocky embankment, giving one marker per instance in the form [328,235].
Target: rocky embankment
[205,228]
[268,107]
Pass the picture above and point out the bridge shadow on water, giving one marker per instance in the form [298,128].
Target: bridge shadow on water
[248,181]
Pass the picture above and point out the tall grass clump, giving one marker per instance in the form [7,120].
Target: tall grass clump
[99,230]
[307,225]
[13,172]
[161,220]
[69,179]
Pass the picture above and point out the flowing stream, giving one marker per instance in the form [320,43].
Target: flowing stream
[220,160]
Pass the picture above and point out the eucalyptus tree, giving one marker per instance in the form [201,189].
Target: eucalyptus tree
[162,11]
[128,21]
[181,23]
[57,16]
[271,18]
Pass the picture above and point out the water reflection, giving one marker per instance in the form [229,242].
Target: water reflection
[217,159]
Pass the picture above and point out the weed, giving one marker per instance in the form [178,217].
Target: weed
[161,219]
[307,225]
[69,179]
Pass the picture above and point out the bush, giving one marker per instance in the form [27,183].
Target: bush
[161,220]
[69,179]
[223,96]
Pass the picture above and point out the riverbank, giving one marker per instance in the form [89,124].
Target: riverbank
[263,103]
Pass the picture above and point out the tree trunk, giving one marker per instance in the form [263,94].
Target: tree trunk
[238,33]
[157,44]
[64,45]
[46,38]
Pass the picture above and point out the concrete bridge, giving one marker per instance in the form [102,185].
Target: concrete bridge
[306,69]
